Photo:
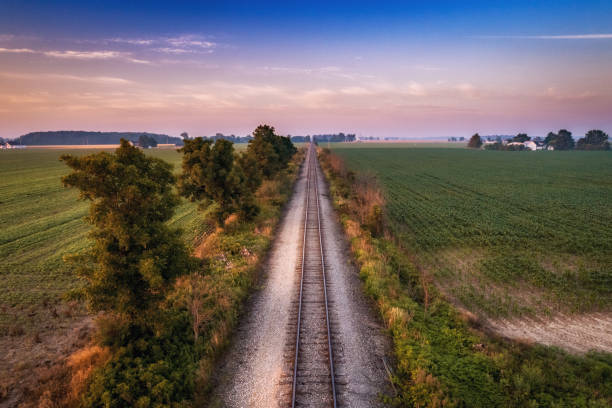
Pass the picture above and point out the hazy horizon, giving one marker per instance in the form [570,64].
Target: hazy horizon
[410,70]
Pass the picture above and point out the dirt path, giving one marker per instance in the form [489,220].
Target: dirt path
[256,369]
[574,333]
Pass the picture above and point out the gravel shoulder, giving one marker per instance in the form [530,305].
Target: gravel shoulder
[250,374]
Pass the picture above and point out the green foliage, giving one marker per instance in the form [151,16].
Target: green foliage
[148,367]
[146,141]
[271,152]
[494,146]
[78,137]
[521,138]
[213,172]
[135,256]
[560,141]
[129,272]
[207,174]
[505,147]
[593,140]
[475,142]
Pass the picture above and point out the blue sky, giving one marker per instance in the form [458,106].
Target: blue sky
[413,69]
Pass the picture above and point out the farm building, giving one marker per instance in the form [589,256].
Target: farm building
[530,145]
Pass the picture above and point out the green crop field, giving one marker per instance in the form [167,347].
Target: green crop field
[502,233]
[40,222]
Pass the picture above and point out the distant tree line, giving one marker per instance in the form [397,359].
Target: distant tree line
[77,137]
[300,139]
[336,137]
[229,138]
[562,140]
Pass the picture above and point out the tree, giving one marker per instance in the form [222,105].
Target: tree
[207,174]
[146,141]
[248,179]
[185,135]
[135,256]
[521,138]
[271,152]
[560,141]
[594,140]
[214,172]
[550,137]
[475,142]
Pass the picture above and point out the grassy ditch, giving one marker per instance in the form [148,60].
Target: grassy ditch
[442,358]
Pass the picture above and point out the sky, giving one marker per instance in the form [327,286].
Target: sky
[387,69]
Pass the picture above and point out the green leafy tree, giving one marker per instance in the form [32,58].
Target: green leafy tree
[271,152]
[146,141]
[248,179]
[252,176]
[594,140]
[560,141]
[135,256]
[207,174]
[521,138]
[475,142]
[213,172]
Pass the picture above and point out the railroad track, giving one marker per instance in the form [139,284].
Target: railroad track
[313,364]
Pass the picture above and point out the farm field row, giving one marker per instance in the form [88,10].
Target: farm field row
[503,234]
[40,223]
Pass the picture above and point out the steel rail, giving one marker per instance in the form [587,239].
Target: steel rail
[299,318]
[310,170]
[329,344]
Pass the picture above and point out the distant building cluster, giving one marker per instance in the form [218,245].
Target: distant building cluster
[7,145]
[562,140]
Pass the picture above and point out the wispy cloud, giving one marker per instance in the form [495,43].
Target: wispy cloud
[65,77]
[183,44]
[132,41]
[80,55]
[94,55]
[17,50]
[84,54]
[190,41]
[552,37]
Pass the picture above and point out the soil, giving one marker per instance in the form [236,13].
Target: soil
[26,359]
[574,333]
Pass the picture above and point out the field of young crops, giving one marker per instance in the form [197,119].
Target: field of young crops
[40,222]
[503,233]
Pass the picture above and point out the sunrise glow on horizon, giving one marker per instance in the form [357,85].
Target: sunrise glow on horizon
[409,69]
